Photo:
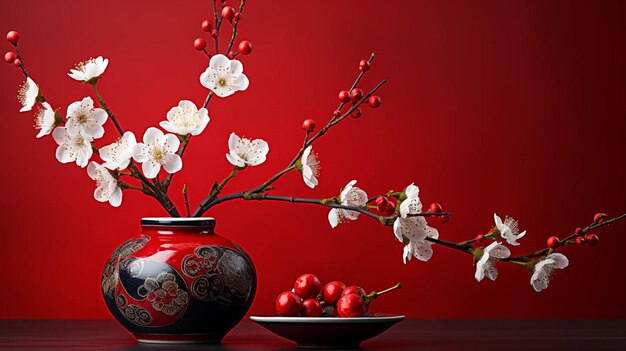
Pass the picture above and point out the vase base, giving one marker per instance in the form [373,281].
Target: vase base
[179,338]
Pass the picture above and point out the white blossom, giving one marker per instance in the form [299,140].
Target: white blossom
[45,120]
[486,265]
[508,230]
[422,249]
[223,76]
[27,94]
[156,151]
[83,118]
[186,119]
[72,147]
[350,196]
[544,269]
[118,154]
[245,152]
[90,69]
[310,167]
[107,188]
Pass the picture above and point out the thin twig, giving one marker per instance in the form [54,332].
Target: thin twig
[232,38]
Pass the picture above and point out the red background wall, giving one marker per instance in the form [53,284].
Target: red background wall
[508,106]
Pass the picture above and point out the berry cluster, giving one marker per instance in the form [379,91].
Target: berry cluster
[309,299]
[580,237]
[230,15]
[12,57]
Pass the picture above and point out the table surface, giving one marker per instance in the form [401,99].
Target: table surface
[420,334]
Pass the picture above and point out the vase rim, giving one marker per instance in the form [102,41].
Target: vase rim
[179,221]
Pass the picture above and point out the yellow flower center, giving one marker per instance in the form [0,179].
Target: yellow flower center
[222,81]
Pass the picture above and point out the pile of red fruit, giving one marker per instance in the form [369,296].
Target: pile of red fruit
[309,299]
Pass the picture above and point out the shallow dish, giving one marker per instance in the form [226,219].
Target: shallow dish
[328,332]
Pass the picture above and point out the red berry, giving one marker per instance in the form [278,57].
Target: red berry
[228,12]
[308,125]
[353,290]
[390,209]
[10,56]
[381,203]
[237,16]
[231,54]
[311,308]
[17,62]
[199,44]
[307,286]
[356,94]
[206,26]
[336,113]
[592,239]
[351,305]
[435,208]
[356,113]
[479,238]
[344,96]
[374,101]
[553,242]
[599,217]
[13,37]
[578,231]
[332,292]
[580,240]
[288,304]
[214,33]
[364,66]
[245,47]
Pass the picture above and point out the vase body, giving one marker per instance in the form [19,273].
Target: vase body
[179,282]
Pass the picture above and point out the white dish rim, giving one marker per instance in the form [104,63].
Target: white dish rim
[327,320]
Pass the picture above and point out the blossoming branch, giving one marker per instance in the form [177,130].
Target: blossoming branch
[127,164]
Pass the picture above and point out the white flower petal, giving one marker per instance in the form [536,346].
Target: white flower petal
[173,164]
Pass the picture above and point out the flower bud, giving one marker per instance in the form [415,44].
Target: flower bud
[206,26]
[13,37]
[364,66]
[381,203]
[199,44]
[308,125]
[374,101]
[228,13]
[245,47]
[553,242]
[10,57]
[599,217]
[592,239]
[344,96]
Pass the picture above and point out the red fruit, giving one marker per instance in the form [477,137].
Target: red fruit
[435,208]
[228,13]
[578,231]
[479,238]
[214,33]
[332,292]
[288,304]
[553,242]
[206,26]
[308,125]
[336,113]
[381,203]
[311,308]
[599,217]
[374,101]
[351,305]
[10,56]
[17,62]
[13,37]
[580,240]
[245,47]
[308,286]
[344,96]
[390,209]
[356,94]
[237,16]
[364,66]
[199,44]
[592,239]
[231,54]
[356,113]
[354,290]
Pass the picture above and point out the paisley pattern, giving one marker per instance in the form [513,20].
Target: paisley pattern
[133,313]
[110,275]
[220,274]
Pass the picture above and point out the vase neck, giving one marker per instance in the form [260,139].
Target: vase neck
[174,225]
